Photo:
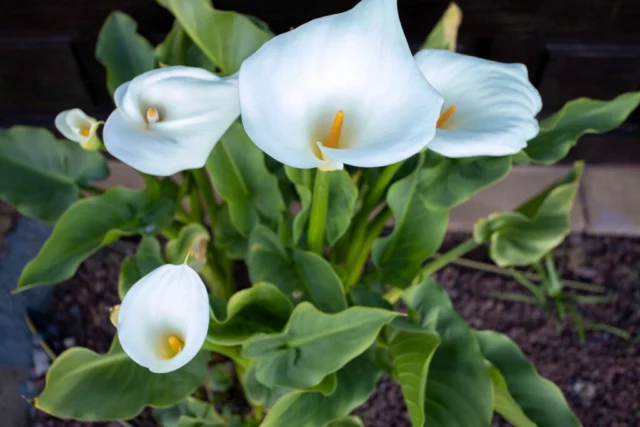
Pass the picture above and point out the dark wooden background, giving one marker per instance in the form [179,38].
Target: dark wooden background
[572,48]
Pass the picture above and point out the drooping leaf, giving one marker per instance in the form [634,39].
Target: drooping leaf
[261,308]
[90,224]
[226,37]
[561,131]
[178,49]
[343,194]
[356,381]
[540,399]
[445,34]
[412,353]
[450,182]
[299,274]
[148,257]
[123,52]
[239,175]
[88,386]
[526,235]
[191,245]
[314,344]
[418,231]
[41,175]
[503,402]
[458,386]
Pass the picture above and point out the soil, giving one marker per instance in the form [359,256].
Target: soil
[599,376]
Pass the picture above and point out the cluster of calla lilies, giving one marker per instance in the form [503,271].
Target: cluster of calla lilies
[340,90]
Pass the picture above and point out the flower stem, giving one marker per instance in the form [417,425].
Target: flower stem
[206,191]
[318,216]
[359,260]
[374,195]
[447,258]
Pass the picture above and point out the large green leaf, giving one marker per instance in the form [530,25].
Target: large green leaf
[228,238]
[445,34]
[524,236]
[187,410]
[239,175]
[90,224]
[191,245]
[540,399]
[351,421]
[227,38]
[178,49]
[314,344]
[299,274]
[450,182]
[561,131]
[261,308]
[458,386]
[88,386]
[503,403]
[123,52]
[258,393]
[356,381]
[148,257]
[41,175]
[418,231]
[412,353]
[343,194]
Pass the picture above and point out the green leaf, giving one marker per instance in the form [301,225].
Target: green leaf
[228,238]
[90,224]
[192,242]
[261,308]
[561,131]
[540,399]
[412,353]
[258,393]
[445,34]
[239,175]
[299,274]
[352,421]
[453,181]
[503,402]
[356,381]
[227,38]
[418,231]
[526,235]
[41,175]
[178,49]
[123,52]
[458,385]
[187,411]
[88,386]
[343,194]
[148,257]
[314,344]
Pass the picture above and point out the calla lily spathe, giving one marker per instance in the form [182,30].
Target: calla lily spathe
[76,126]
[343,89]
[489,107]
[164,318]
[168,120]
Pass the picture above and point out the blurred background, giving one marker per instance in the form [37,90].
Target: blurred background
[572,48]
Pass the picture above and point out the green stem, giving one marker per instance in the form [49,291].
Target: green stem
[195,205]
[171,231]
[206,191]
[444,259]
[360,259]
[374,195]
[318,216]
[92,189]
[231,352]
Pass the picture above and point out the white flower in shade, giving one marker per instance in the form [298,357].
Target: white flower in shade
[76,126]
[164,318]
[489,107]
[343,89]
[168,120]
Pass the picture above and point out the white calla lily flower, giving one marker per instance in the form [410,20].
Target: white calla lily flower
[489,107]
[164,318]
[168,120]
[76,126]
[342,89]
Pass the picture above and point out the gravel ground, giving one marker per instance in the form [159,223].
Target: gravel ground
[599,377]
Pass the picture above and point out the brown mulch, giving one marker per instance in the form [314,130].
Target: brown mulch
[599,377]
